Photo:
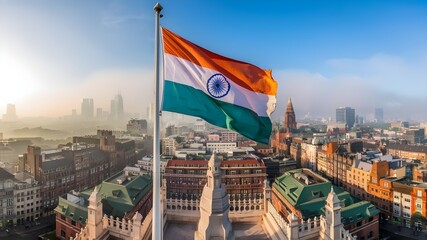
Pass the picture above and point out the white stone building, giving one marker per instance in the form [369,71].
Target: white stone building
[220,147]
[27,201]
[168,146]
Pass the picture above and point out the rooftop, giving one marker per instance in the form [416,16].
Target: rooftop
[409,182]
[365,166]
[4,175]
[309,195]
[408,148]
[120,194]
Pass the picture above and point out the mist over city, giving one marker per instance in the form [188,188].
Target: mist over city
[276,120]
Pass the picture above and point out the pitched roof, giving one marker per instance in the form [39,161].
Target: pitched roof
[72,210]
[365,166]
[4,175]
[358,211]
[117,199]
[408,147]
[310,198]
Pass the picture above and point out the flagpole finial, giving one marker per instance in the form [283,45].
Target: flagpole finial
[158,8]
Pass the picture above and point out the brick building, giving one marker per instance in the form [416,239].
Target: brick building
[380,191]
[244,180]
[84,164]
[408,151]
[121,152]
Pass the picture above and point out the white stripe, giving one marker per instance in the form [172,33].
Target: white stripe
[185,72]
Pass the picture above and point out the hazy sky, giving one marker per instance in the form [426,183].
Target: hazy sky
[324,54]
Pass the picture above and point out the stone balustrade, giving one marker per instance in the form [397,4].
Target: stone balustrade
[122,228]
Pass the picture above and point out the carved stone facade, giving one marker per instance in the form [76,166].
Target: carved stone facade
[214,207]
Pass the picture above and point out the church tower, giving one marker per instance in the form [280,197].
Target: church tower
[290,119]
[214,222]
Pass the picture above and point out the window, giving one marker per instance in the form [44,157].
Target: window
[419,193]
[418,204]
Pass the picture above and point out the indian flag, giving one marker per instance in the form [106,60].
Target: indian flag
[224,92]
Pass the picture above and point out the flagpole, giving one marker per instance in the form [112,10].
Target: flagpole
[157,225]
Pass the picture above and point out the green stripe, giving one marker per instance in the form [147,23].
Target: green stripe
[187,100]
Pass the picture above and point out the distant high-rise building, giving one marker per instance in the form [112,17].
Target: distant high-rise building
[117,107]
[346,115]
[73,112]
[99,113]
[359,119]
[87,108]
[379,115]
[290,119]
[10,113]
[150,112]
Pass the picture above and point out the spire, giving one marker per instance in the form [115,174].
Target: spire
[332,198]
[290,123]
[290,107]
[94,195]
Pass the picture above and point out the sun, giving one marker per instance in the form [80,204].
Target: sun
[17,81]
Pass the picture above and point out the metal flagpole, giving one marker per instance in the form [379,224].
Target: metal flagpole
[157,224]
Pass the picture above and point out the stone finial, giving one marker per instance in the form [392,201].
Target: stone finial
[137,217]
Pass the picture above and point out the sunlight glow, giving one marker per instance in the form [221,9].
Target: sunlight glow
[17,81]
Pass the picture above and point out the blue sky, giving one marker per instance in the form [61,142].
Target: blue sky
[324,54]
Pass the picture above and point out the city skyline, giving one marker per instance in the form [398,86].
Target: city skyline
[323,54]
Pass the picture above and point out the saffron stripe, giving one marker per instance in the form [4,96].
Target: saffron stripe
[246,75]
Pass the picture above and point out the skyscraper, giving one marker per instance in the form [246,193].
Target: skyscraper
[379,115]
[117,107]
[87,108]
[346,115]
[290,119]
[10,113]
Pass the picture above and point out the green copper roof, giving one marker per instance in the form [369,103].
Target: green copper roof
[310,199]
[72,210]
[357,211]
[119,195]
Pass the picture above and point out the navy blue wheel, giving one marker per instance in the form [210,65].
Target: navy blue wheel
[218,86]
